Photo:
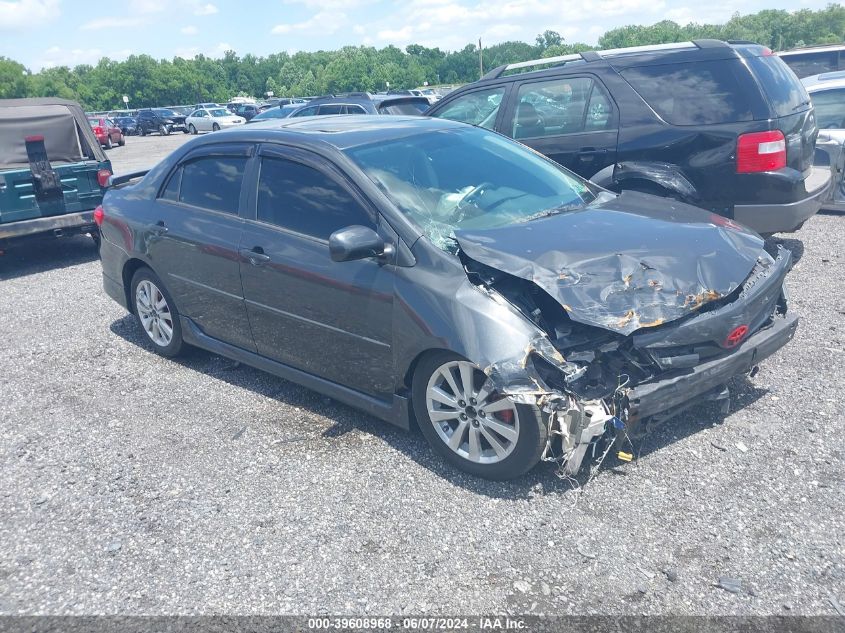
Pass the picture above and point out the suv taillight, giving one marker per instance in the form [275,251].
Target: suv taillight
[760,151]
[103,177]
[99,215]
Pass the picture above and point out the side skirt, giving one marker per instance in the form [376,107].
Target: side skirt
[395,412]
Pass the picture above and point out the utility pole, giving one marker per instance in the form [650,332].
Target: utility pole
[480,60]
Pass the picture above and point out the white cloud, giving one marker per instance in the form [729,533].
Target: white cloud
[205,9]
[323,23]
[58,56]
[113,23]
[189,30]
[197,7]
[217,51]
[26,14]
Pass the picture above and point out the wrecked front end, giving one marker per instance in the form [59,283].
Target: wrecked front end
[603,369]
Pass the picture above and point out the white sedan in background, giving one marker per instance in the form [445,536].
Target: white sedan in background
[211,120]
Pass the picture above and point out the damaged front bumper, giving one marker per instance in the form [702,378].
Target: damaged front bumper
[649,399]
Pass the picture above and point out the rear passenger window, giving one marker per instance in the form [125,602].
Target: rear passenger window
[305,200]
[700,93]
[332,108]
[560,106]
[213,182]
[477,108]
[309,111]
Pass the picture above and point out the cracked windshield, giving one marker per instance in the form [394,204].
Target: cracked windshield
[468,179]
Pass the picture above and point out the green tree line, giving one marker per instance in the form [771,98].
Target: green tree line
[151,82]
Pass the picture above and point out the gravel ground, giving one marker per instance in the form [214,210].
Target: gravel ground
[135,484]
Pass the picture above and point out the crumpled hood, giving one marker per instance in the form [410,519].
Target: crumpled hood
[634,261]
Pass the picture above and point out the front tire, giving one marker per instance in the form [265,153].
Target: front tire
[470,424]
[192,129]
[164,130]
[122,140]
[142,131]
[215,128]
[156,313]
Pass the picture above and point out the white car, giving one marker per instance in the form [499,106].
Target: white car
[827,91]
[211,120]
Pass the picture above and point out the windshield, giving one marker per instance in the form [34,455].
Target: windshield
[468,178]
[164,112]
[218,112]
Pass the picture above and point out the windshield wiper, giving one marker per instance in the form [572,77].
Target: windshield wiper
[801,105]
[555,211]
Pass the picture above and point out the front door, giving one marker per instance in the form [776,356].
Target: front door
[331,319]
[572,120]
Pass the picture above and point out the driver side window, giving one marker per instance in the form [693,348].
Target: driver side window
[476,108]
[305,200]
[565,105]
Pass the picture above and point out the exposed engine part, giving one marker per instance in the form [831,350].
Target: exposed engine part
[576,427]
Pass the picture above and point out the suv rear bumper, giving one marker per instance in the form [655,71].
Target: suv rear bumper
[787,217]
[657,397]
[58,225]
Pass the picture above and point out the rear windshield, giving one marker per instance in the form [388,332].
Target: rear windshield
[786,94]
[700,93]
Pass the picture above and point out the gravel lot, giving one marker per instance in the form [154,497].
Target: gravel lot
[135,484]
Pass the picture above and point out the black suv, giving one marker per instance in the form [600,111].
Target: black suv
[160,120]
[724,126]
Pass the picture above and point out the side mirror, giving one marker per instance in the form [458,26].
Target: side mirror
[357,242]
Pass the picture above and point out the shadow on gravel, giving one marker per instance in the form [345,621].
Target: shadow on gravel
[541,480]
[30,258]
[789,243]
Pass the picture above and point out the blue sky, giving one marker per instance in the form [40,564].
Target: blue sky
[41,33]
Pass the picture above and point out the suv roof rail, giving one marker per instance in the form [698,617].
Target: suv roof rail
[593,56]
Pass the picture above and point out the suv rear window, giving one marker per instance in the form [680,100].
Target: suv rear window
[700,93]
[786,94]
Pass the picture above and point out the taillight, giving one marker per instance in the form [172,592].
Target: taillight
[103,177]
[760,151]
[98,131]
[99,215]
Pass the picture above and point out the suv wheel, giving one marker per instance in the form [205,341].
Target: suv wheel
[472,426]
[164,130]
[156,312]
[142,131]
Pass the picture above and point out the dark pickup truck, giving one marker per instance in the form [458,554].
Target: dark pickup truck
[53,172]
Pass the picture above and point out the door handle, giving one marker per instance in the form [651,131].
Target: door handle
[591,151]
[255,255]
[159,228]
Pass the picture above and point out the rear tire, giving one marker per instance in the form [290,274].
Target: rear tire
[156,313]
[502,442]
[108,142]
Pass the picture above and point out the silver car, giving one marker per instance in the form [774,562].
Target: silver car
[827,91]
[211,120]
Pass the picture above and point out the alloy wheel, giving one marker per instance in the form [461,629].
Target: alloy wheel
[154,313]
[471,418]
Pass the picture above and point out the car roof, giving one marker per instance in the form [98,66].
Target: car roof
[814,83]
[336,131]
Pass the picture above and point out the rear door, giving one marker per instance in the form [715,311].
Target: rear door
[193,240]
[571,119]
[330,319]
